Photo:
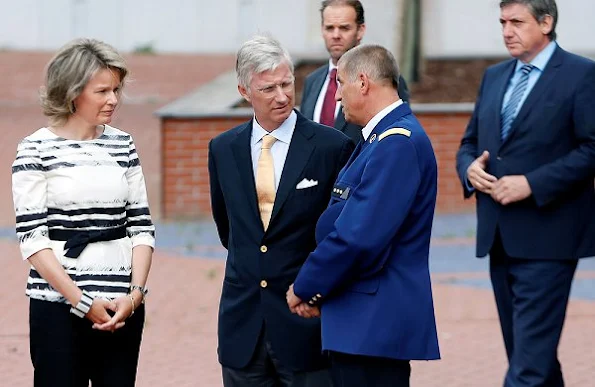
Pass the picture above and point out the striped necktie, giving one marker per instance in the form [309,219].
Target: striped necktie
[265,180]
[512,107]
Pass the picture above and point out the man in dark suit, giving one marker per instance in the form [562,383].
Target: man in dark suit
[529,156]
[343,28]
[369,271]
[270,180]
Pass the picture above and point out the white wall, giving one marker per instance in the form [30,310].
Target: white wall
[450,27]
[197,26]
[453,28]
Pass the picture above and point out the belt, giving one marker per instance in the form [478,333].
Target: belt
[77,240]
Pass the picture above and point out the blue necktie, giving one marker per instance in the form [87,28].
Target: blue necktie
[509,113]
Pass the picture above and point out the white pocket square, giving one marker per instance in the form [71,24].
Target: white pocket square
[306,183]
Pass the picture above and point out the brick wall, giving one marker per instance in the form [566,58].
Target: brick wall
[185,174]
[445,131]
[185,157]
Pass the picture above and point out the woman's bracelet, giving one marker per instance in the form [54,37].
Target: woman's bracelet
[142,289]
[132,302]
[84,305]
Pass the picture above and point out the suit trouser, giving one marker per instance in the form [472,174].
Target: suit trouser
[67,352]
[368,371]
[531,297]
[265,370]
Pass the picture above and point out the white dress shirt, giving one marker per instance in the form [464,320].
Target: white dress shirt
[367,130]
[280,147]
[320,100]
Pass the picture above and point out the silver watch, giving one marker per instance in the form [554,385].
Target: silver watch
[142,289]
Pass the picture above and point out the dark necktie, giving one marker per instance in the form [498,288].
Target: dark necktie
[327,114]
[510,111]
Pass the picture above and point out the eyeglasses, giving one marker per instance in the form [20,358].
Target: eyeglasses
[270,90]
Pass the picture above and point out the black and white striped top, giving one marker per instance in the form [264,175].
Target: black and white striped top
[81,185]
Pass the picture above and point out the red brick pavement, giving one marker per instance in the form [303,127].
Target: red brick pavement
[179,345]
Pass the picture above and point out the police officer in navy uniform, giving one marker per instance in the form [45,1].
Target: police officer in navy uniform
[369,272]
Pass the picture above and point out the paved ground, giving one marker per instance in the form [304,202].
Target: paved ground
[179,346]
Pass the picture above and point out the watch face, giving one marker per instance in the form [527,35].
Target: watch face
[141,289]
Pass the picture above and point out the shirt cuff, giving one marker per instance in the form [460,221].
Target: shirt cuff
[468,186]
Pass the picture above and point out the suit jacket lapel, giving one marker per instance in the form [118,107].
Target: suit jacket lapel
[317,83]
[502,83]
[241,152]
[354,154]
[298,155]
[340,122]
[538,91]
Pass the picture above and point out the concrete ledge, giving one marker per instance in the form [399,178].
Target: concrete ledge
[198,114]
[217,99]
[441,108]
[212,99]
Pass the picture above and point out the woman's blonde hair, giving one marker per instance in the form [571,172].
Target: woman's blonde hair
[70,70]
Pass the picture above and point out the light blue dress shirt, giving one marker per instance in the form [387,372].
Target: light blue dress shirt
[279,150]
[539,62]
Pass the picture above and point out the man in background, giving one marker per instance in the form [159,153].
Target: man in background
[343,28]
[528,155]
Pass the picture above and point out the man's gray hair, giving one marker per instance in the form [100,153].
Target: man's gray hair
[539,9]
[259,54]
[373,60]
[70,70]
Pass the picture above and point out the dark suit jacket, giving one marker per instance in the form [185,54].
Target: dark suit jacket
[552,143]
[313,86]
[370,269]
[262,265]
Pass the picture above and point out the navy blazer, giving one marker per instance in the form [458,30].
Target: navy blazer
[262,265]
[370,270]
[552,143]
[312,87]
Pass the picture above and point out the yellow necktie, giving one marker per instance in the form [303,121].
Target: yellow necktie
[265,180]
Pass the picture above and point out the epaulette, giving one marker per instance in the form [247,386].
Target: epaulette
[390,132]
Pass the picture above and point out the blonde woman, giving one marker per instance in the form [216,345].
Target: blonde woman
[84,225]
